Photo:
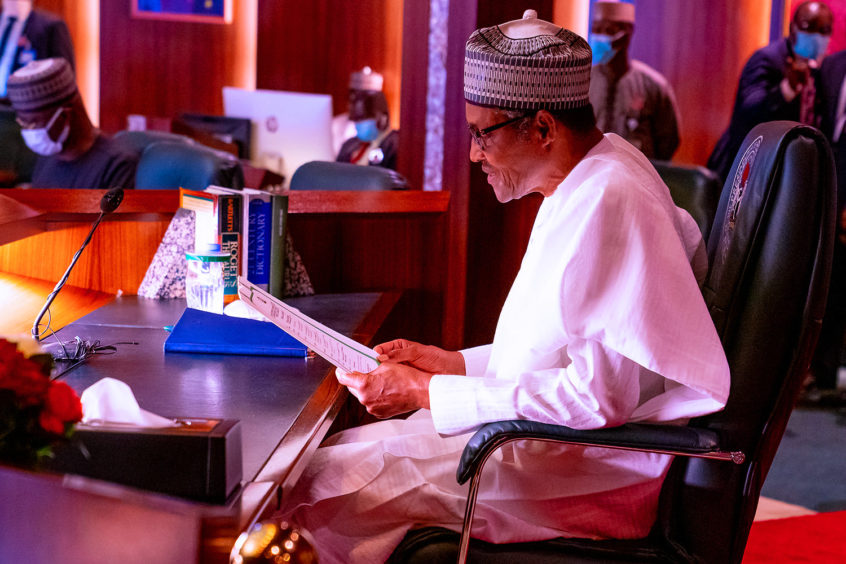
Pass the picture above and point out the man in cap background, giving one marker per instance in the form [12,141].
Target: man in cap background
[375,143]
[54,125]
[629,97]
[778,82]
[604,324]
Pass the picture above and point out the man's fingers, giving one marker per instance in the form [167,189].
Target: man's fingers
[385,348]
[349,378]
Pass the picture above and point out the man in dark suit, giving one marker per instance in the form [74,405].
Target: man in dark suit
[777,82]
[831,95]
[27,34]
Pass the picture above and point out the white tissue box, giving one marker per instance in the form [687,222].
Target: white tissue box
[200,459]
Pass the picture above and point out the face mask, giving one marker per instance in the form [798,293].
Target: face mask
[810,45]
[600,46]
[366,129]
[39,141]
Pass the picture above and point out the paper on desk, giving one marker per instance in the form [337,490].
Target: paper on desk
[341,351]
[111,402]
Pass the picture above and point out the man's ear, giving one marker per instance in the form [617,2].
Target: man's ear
[547,127]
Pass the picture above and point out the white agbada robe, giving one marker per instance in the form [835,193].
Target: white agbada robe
[604,324]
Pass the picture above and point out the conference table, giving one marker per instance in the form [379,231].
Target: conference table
[285,407]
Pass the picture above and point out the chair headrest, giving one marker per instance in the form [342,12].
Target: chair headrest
[325,175]
[169,164]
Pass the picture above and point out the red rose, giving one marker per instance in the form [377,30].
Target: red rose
[62,406]
[51,423]
[21,375]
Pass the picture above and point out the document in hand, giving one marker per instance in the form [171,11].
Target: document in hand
[341,351]
[204,332]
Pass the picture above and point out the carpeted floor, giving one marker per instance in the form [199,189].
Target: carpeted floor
[819,539]
[809,472]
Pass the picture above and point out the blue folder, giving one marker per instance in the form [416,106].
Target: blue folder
[199,331]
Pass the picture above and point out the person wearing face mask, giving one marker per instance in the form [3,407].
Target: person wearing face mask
[375,143]
[72,153]
[778,82]
[629,97]
[27,34]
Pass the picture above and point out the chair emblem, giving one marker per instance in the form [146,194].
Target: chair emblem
[741,178]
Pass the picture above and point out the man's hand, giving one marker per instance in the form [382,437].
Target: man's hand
[389,389]
[797,71]
[423,357]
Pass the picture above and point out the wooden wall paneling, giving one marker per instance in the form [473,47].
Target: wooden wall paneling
[314,46]
[415,62]
[161,68]
[701,48]
[497,234]
[115,260]
[366,253]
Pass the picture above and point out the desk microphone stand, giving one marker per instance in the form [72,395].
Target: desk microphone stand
[109,203]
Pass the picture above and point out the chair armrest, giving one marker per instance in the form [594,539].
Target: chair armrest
[647,437]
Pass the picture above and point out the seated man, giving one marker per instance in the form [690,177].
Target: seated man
[54,124]
[375,143]
[604,324]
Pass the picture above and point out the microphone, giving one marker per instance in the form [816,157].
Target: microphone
[108,203]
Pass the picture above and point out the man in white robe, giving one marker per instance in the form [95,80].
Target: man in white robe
[604,324]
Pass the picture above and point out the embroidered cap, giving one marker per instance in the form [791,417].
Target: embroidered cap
[41,84]
[527,64]
[365,79]
[614,10]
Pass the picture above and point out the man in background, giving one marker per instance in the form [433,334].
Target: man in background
[375,143]
[778,82]
[27,35]
[629,98]
[72,153]
[831,96]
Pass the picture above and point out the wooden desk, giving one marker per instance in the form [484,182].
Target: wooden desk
[285,407]
[349,242]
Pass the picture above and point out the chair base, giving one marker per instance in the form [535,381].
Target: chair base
[435,545]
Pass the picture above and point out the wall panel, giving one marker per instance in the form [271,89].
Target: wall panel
[701,48]
[314,46]
[162,68]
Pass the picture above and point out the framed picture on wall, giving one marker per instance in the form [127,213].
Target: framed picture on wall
[204,11]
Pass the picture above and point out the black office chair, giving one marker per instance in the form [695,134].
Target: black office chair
[770,254]
[326,175]
[693,188]
[138,141]
[175,164]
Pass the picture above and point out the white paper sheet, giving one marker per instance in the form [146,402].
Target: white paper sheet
[341,351]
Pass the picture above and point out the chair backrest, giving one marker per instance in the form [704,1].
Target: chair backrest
[175,164]
[325,175]
[693,188]
[16,160]
[140,140]
[770,253]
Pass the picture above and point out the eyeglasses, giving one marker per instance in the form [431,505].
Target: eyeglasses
[479,135]
[35,125]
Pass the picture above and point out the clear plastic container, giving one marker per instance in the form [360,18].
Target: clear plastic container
[204,278]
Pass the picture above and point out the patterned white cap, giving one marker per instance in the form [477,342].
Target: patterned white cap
[614,10]
[366,79]
[527,64]
[41,84]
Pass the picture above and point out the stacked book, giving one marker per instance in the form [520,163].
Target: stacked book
[251,225]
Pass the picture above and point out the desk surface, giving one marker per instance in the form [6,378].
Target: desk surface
[285,407]
[265,393]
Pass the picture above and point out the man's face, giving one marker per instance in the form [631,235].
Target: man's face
[813,17]
[511,161]
[620,30]
[54,119]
